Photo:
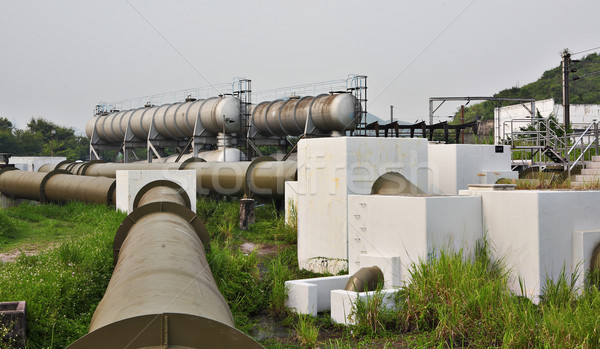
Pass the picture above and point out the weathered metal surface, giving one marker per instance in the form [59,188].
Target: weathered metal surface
[365,279]
[57,186]
[162,293]
[173,121]
[161,190]
[329,112]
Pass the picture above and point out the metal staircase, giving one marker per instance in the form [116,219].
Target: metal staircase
[542,142]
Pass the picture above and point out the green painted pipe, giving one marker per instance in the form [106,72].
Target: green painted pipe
[162,293]
[365,279]
[56,186]
[263,177]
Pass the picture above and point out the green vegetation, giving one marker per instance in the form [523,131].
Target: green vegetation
[549,85]
[62,286]
[455,299]
[38,140]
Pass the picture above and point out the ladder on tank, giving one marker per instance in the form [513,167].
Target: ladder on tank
[357,86]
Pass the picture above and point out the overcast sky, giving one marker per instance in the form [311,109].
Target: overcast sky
[58,59]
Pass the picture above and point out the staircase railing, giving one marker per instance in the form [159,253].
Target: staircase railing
[580,144]
[548,137]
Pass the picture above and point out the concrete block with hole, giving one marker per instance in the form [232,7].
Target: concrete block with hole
[310,296]
[330,169]
[343,303]
[129,184]
[406,229]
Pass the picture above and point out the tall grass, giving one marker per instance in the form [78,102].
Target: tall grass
[62,286]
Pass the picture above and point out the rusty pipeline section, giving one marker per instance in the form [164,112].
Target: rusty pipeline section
[162,293]
[262,177]
[56,186]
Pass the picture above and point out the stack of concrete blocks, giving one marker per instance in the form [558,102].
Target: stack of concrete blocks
[129,183]
[33,163]
[330,169]
[393,232]
[539,234]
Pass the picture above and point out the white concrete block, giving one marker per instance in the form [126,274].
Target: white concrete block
[330,169]
[584,243]
[33,163]
[532,231]
[343,303]
[302,297]
[390,267]
[291,201]
[459,165]
[129,184]
[410,228]
[309,296]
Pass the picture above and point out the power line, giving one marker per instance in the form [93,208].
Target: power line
[584,51]
[583,76]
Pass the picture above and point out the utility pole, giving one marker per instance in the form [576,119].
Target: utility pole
[566,60]
[391,113]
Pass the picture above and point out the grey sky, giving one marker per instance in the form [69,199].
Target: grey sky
[59,58]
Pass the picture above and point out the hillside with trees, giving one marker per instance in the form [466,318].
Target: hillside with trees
[38,140]
[585,90]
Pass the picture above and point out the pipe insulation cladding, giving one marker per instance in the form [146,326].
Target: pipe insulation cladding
[174,121]
[162,293]
[56,186]
[328,112]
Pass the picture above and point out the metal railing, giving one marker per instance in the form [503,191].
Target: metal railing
[532,139]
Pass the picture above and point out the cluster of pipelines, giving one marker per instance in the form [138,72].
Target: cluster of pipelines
[174,121]
[162,293]
[262,177]
[56,186]
[327,112]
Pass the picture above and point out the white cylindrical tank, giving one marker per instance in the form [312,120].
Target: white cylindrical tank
[329,112]
[173,121]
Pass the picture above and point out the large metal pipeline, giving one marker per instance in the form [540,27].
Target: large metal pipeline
[328,112]
[56,186]
[263,177]
[174,121]
[162,293]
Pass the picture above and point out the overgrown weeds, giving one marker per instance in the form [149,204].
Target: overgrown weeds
[307,331]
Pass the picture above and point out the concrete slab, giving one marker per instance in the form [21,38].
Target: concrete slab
[343,303]
[309,296]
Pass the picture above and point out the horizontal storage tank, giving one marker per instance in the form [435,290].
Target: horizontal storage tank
[173,121]
[329,112]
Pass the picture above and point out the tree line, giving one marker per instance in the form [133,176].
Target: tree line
[549,85]
[42,138]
